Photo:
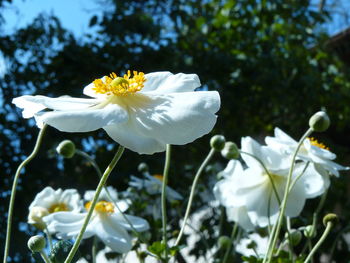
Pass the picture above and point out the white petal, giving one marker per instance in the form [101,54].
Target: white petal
[138,223]
[313,182]
[29,107]
[126,136]
[177,118]
[321,153]
[240,216]
[113,235]
[296,200]
[60,103]
[166,82]
[233,167]
[84,120]
[88,91]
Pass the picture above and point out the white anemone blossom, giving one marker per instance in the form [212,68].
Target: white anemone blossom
[50,201]
[107,223]
[251,189]
[153,185]
[310,151]
[142,112]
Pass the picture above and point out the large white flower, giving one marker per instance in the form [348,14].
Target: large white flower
[310,151]
[141,112]
[153,185]
[252,188]
[50,201]
[107,223]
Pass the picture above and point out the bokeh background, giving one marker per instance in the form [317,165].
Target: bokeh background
[274,62]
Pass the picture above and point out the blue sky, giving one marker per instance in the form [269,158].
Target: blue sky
[73,14]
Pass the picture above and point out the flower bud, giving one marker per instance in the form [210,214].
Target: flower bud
[309,231]
[66,148]
[319,121]
[330,218]
[224,242]
[217,142]
[295,237]
[142,168]
[36,215]
[36,243]
[230,151]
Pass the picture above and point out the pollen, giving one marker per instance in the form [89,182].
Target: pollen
[101,207]
[318,144]
[158,176]
[130,83]
[58,208]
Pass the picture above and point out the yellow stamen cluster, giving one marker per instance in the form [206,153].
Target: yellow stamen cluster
[158,176]
[120,86]
[101,207]
[58,208]
[318,144]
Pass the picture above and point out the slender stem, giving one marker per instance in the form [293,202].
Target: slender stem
[232,238]
[298,177]
[14,188]
[320,241]
[277,226]
[98,171]
[48,235]
[267,172]
[94,250]
[45,257]
[193,189]
[163,197]
[93,203]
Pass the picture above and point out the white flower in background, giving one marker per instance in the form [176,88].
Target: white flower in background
[50,201]
[153,186]
[236,211]
[107,223]
[252,188]
[253,245]
[141,112]
[107,255]
[310,151]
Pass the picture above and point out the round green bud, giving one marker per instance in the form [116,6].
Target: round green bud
[309,231]
[224,242]
[319,122]
[230,151]
[295,237]
[217,142]
[142,168]
[330,218]
[66,148]
[118,81]
[36,243]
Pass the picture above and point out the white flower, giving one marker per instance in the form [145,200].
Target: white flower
[107,223]
[153,185]
[252,187]
[141,112]
[310,151]
[51,201]
[106,255]
[253,245]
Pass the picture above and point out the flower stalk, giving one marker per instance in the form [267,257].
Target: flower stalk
[193,189]
[163,198]
[94,202]
[14,189]
[277,227]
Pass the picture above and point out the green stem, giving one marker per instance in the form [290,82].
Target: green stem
[267,172]
[163,197]
[98,171]
[193,189]
[320,241]
[94,250]
[277,227]
[94,202]
[14,188]
[48,235]
[45,257]
[228,250]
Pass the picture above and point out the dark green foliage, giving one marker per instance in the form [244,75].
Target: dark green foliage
[268,59]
